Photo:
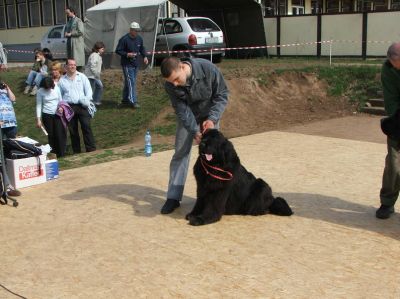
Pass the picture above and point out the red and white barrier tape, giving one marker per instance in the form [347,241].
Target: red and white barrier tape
[233,48]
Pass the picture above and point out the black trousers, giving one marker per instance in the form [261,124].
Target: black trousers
[57,133]
[83,117]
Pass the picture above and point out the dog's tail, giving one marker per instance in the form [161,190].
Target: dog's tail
[280,207]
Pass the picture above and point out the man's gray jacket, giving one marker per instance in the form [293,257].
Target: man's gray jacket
[204,96]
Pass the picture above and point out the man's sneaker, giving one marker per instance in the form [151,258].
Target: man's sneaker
[27,89]
[384,212]
[34,91]
[135,105]
[169,206]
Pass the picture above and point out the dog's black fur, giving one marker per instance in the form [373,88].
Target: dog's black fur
[244,194]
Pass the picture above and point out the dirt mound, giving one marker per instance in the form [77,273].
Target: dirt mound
[286,99]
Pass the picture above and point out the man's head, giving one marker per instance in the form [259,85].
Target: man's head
[134,28]
[393,54]
[70,67]
[70,12]
[174,71]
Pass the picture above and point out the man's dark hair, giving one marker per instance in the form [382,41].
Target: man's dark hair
[47,83]
[97,46]
[168,65]
[71,9]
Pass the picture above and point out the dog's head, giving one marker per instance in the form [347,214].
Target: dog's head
[216,149]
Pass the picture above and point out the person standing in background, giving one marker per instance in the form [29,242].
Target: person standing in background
[47,99]
[93,71]
[390,77]
[3,58]
[76,91]
[74,31]
[129,47]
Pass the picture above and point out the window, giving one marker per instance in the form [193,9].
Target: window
[34,13]
[22,13]
[3,24]
[171,27]
[332,6]
[316,7]
[47,13]
[282,8]
[395,4]
[202,25]
[381,5]
[60,11]
[75,5]
[347,6]
[56,32]
[11,14]
[269,7]
[297,10]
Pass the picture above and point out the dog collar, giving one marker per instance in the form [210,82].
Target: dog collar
[206,165]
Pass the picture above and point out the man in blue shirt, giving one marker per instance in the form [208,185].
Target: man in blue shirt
[76,91]
[129,47]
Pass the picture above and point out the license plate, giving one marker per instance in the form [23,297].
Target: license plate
[211,40]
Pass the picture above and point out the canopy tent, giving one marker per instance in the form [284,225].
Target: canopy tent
[241,21]
[110,20]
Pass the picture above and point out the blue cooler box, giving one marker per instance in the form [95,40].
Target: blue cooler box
[51,169]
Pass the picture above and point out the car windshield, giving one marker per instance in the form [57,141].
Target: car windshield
[203,25]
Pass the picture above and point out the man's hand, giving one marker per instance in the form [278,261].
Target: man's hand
[145,60]
[68,34]
[208,124]
[197,138]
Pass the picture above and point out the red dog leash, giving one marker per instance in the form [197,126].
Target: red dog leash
[205,165]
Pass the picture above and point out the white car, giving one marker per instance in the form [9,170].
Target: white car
[55,41]
[197,36]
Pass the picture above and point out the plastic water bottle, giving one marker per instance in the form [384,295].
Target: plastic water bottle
[147,144]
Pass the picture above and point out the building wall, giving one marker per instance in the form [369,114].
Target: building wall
[270,32]
[344,30]
[299,30]
[382,27]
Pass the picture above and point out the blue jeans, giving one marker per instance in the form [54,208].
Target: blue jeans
[129,92]
[178,168]
[31,78]
[34,78]
[97,89]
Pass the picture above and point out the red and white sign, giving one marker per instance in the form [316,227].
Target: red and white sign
[27,172]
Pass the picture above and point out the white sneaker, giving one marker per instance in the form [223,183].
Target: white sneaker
[34,91]
[27,89]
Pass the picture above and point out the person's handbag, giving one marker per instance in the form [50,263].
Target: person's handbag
[14,149]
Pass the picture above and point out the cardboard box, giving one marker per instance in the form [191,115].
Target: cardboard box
[25,172]
[51,169]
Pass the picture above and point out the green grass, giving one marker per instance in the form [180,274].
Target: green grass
[112,126]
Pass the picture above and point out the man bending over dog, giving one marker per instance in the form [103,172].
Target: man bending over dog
[199,95]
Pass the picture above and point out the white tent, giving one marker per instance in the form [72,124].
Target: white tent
[110,20]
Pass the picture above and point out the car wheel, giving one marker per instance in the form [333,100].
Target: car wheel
[216,58]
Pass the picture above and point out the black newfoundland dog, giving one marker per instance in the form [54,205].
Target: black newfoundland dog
[224,186]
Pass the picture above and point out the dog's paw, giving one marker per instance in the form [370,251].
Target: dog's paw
[195,220]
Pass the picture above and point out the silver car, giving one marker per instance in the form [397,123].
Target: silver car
[55,41]
[195,36]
